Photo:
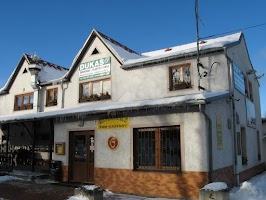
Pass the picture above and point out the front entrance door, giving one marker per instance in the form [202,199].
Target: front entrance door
[81,156]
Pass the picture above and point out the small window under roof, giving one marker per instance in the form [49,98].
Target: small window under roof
[25,71]
[95,51]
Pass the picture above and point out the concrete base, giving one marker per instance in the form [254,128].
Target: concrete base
[217,195]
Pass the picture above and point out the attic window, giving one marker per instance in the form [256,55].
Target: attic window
[95,51]
[25,71]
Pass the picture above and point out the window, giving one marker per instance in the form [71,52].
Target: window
[180,77]
[51,97]
[24,101]
[96,90]
[250,91]
[157,148]
[244,146]
[258,145]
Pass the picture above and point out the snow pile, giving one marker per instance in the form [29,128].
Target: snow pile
[8,178]
[254,189]
[79,197]
[217,186]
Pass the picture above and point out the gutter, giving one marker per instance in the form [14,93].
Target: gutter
[171,58]
[210,159]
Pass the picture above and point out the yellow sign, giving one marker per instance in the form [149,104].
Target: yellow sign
[116,123]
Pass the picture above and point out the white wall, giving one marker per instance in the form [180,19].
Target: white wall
[193,140]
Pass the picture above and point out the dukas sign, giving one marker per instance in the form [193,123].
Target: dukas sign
[95,68]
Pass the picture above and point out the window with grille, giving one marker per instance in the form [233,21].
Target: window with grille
[51,97]
[24,101]
[157,148]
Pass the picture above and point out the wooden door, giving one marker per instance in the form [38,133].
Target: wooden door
[81,156]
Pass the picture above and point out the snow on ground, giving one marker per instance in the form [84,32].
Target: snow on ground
[253,189]
[8,178]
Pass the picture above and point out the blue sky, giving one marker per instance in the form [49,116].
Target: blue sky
[56,30]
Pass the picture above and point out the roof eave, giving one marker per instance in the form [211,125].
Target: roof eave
[171,58]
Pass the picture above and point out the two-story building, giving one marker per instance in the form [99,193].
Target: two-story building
[161,123]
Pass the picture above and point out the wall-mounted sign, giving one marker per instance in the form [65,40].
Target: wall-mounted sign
[251,116]
[219,131]
[113,142]
[60,148]
[95,68]
[116,123]
[239,79]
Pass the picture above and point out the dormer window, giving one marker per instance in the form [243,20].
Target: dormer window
[51,97]
[179,77]
[23,102]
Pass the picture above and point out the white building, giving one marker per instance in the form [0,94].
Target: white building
[162,123]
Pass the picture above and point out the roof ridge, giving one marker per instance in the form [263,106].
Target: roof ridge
[44,62]
[118,43]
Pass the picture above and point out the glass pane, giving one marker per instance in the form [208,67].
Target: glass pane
[31,99]
[170,143]
[85,90]
[55,95]
[50,95]
[26,100]
[107,87]
[176,76]
[80,147]
[96,88]
[146,153]
[186,75]
[19,100]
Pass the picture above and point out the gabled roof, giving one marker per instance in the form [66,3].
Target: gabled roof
[48,73]
[119,51]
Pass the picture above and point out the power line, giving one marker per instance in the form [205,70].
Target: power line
[219,34]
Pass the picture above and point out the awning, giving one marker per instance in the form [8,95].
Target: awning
[100,107]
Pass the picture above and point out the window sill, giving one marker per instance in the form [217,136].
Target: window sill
[100,98]
[27,107]
[51,104]
[181,87]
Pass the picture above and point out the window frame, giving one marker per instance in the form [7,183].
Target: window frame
[183,84]
[54,101]
[160,151]
[22,105]
[91,96]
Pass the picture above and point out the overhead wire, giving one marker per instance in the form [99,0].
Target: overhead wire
[241,29]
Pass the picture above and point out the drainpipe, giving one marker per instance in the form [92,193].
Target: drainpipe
[63,93]
[209,121]
[34,70]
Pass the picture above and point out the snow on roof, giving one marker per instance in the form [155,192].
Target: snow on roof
[122,51]
[187,48]
[49,70]
[104,107]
